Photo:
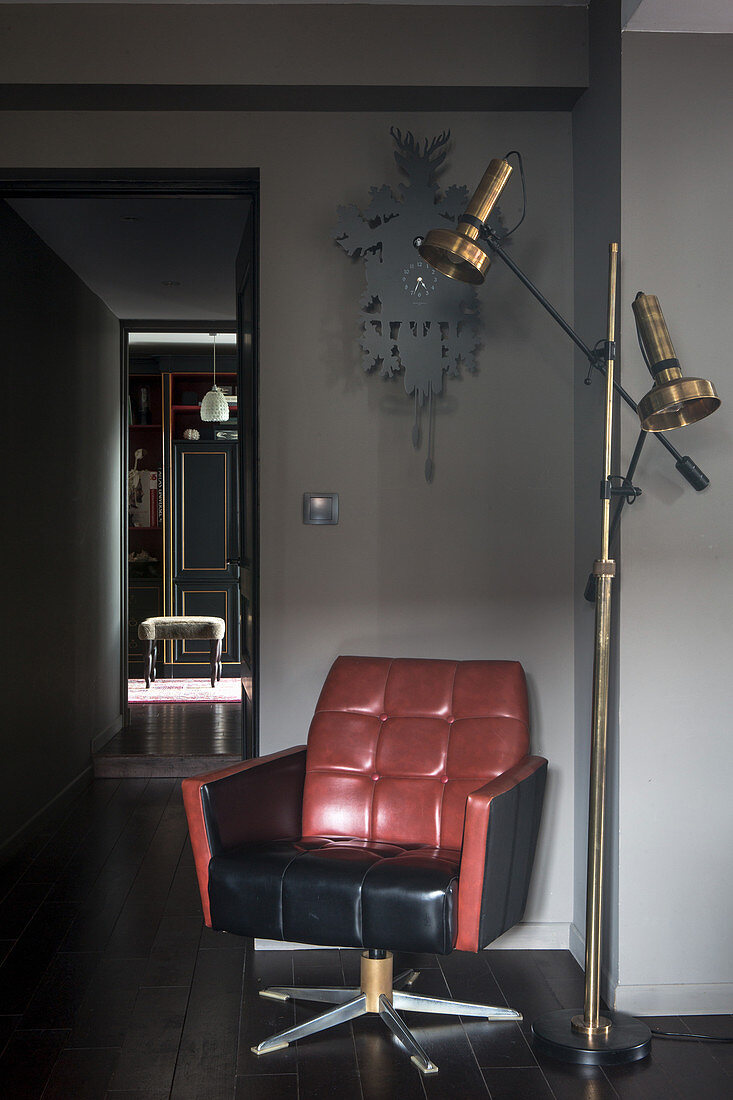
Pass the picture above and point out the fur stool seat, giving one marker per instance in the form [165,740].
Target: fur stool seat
[181,627]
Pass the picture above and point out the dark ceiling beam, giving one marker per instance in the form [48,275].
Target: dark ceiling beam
[175,97]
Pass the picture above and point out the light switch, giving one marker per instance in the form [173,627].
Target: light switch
[320,508]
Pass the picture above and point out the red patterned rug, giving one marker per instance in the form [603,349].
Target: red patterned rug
[228,690]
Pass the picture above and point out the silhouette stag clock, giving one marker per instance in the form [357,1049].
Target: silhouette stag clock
[413,321]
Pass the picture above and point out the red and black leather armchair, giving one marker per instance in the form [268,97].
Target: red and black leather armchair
[408,822]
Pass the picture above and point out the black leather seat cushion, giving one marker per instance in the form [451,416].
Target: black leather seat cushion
[339,893]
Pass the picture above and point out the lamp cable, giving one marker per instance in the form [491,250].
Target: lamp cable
[518,155]
[642,349]
[657,1033]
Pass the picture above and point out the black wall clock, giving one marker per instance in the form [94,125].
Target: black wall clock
[413,321]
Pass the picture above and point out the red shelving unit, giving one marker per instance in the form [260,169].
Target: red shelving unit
[187,414]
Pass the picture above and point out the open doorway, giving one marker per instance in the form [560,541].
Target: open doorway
[183,552]
[152,249]
[182,514]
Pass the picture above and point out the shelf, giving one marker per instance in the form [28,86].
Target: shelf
[157,528]
[205,442]
[137,427]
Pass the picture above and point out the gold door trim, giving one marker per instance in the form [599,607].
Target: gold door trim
[168,506]
[194,653]
[203,568]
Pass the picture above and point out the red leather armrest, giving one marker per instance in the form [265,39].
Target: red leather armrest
[499,839]
[256,800]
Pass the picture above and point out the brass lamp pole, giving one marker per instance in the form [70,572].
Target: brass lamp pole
[588,1037]
[604,570]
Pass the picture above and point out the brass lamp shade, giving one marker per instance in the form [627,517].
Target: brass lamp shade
[676,403]
[673,401]
[455,252]
[455,255]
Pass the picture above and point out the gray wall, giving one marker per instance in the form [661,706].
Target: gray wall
[489,559]
[676,752]
[61,539]
[480,562]
[266,46]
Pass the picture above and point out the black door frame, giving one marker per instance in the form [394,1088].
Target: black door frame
[128,325]
[247,287]
[142,183]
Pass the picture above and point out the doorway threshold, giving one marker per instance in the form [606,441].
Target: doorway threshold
[173,740]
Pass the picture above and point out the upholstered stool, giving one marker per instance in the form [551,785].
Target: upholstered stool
[180,627]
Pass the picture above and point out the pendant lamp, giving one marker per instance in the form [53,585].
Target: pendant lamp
[214,406]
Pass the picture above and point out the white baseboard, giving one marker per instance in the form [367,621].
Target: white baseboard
[675,1000]
[97,743]
[526,937]
[577,950]
[534,936]
[638,1000]
[658,1000]
[576,945]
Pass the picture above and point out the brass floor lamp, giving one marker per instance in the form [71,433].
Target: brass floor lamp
[588,1037]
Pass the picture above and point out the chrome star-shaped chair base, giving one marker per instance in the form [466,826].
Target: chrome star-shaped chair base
[378,994]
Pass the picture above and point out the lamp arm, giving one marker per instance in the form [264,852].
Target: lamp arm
[686,466]
[593,357]
[628,493]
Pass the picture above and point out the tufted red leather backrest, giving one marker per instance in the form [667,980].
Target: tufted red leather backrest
[396,746]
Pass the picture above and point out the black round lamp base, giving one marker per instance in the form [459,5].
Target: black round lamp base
[627,1040]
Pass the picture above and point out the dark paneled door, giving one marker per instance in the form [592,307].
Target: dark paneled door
[247,388]
[206,537]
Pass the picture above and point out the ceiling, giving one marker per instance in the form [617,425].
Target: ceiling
[149,258]
[678,16]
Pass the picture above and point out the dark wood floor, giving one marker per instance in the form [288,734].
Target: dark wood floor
[112,989]
[174,740]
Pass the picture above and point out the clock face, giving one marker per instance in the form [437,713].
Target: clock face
[419,280]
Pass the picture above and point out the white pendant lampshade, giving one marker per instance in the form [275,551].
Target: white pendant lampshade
[214,406]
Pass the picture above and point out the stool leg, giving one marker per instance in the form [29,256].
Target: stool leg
[149,662]
[218,658]
[153,672]
[213,659]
